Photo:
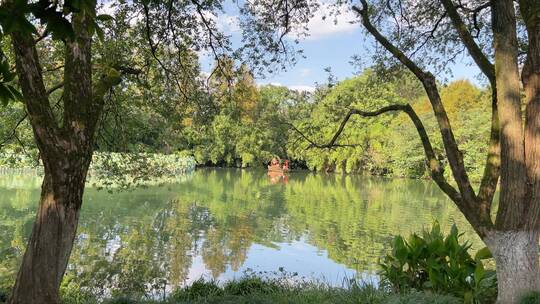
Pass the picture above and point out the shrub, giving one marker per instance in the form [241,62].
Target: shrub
[417,297]
[72,293]
[531,298]
[121,300]
[4,294]
[433,262]
[198,289]
[250,285]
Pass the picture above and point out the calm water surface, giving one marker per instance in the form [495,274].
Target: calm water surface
[221,223]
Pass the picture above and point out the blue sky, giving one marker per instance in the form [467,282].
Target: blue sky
[329,45]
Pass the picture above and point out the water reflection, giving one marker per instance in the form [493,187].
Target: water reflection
[220,223]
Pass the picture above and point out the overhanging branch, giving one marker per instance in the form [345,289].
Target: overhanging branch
[491,171]
[434,166]
[455,158]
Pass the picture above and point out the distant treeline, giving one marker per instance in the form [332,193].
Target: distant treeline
[233,122]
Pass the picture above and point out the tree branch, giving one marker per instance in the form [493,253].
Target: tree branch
[432,163]
[13,131]
[55,87]
[33,88]
[476,53]
[455,158]
[80,113]
[491,174]
[492,169]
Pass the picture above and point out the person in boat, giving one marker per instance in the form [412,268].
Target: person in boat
[274,165]
[286,165]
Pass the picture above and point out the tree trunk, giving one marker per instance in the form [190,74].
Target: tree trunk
[53,234]
[516,258]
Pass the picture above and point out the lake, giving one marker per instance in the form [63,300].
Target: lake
[219,224]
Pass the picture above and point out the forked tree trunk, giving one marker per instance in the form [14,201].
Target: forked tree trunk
[516,258]
[53,233]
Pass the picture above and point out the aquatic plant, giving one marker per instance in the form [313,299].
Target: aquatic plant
[438,263]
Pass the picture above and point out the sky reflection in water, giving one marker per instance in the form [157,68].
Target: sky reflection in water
[221,223]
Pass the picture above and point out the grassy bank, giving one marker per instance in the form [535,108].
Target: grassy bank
[258,290]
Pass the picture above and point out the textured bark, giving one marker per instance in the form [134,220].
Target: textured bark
[492,169]
[48,250]
[530,10]
[513,173]
[516,258]
[66,152]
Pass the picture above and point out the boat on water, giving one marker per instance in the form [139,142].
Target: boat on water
[276,168]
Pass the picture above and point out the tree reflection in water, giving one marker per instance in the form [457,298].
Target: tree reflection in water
[220,222]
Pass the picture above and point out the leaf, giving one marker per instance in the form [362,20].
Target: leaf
[5,95]
[468,297]
[99,32]
[479,272]
[8,76]
[104,17]
[17,96]
[60,27]
[483,254]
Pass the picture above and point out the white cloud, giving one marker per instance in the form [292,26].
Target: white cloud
[320,27]
[228,23]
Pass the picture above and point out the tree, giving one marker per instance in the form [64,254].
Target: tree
[65,136]
[514,149]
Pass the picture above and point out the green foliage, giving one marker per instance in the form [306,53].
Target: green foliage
[371,136]
[251,284]
[531,298]
[414,297]
[18,158]
[198,289]
[235,123]
[389,144]
[4,294]
[72,292]
[127,170]
[247,127]
[112,170]
[8,90]
[438,263]
[251,290]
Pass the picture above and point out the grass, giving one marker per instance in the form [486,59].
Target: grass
[255,289]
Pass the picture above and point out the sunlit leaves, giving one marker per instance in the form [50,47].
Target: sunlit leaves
[438,263]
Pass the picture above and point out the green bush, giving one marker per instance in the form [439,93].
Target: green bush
[417,297]
[198,289]
[250,285]
[531,298]
[72,293]
[121,300]
[4,294]
[433,262]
